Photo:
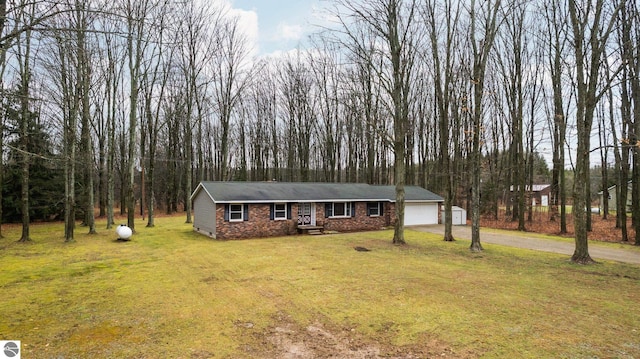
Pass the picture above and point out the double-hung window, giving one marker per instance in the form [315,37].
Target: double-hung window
[236,213]
[279,211]
[374,209]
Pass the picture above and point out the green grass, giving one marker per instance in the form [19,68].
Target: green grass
[173,293]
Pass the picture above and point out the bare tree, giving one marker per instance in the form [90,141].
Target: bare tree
[200,46]
[299,107]
[231,79]
[113,75]
[138,16]
[23,56]
[556,42]
[69,104]
[444,63]
[394,23]
[512,64]
[154,83]
[630,24]
[363,98]
[623,142]
[84,69]
[327,76]
[603,137]
[591,25]
[482,34]
[262,97]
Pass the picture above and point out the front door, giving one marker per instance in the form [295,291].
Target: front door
[306,214]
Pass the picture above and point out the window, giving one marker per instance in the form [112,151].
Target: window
[280,211]
[374,209]
[341,209]
[235,212]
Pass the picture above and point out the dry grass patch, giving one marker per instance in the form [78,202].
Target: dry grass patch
[173,293]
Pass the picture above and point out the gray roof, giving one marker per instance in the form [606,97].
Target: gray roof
[266,192]
[536,187]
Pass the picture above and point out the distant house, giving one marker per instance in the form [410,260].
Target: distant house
[540,194]
[231,210]
[613,198]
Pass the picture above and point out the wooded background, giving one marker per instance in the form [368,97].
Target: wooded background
[126,105]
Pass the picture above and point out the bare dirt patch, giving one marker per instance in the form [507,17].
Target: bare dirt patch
[289,340]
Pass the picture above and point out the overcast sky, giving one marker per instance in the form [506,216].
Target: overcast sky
[277,25]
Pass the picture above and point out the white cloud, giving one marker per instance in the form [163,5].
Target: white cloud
[247,22]
[289,32]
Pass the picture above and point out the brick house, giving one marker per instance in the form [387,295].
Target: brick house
[234,210]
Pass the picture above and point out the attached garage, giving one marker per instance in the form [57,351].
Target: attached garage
[420,213]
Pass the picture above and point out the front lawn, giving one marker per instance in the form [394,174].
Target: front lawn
[172,293]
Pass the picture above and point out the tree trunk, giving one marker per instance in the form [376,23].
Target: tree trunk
[481,50]
[111,92]
[133,124]
[443,101]
[24,60]
[587,76]
[603,163]
[135,35]
[69,106]
[399,96]
[84,81]
[620,173]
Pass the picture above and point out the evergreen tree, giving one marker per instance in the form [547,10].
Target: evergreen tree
[46,182]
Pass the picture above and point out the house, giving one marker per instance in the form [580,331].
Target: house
[613,198]
[230,210]
[540,194]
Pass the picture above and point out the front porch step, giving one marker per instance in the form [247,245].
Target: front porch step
[309,229]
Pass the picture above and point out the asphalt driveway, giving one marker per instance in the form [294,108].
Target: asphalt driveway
[528,241]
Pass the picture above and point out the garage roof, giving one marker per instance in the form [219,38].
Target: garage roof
[266,192]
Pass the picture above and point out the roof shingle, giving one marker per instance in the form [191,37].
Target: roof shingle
[247,192]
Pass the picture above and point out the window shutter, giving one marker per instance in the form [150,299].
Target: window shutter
[226,212]
[288,210]
[381,206]
[353,209]
[328,210]
[271,211]
[246,212]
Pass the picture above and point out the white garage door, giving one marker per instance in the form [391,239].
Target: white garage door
[420,213]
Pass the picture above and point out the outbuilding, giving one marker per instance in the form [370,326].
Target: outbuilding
[232,210]
[612,197]
[458,216]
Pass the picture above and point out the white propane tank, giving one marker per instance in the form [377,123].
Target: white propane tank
[123,232]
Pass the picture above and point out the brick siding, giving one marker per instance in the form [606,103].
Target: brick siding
[260,224]
[361,222]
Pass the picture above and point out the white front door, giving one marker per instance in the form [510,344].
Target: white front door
[306,214]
